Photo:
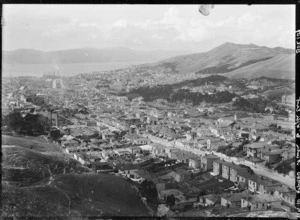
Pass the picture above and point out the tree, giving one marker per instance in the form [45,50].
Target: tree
[268,165]
[30,124]
[14,121]
[202,193]
[170,201]
[35,124]
[150,189]
[55,134]
[284,167]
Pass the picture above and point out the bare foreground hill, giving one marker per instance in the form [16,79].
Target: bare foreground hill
[38,184]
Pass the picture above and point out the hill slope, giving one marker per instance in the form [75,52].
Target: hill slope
[74,195]
[33,143]
[231,57]
[24,166]
[281,66]
[40,183]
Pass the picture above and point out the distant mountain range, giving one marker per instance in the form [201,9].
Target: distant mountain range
[233,60]
[237,61]
[86,55]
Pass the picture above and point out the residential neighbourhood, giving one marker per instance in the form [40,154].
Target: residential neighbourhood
[149,111]
[206,158]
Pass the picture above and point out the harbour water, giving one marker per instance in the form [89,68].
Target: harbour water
[67,70]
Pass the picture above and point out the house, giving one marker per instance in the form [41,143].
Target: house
[80,157]
[207,162]
[135,150]
[139,174]
[185,203]
[91,123]
[234,170]
[70,150]
[224,123]
[264,184]
[210,200]
[131,137]
[217,166]
[121,152]
[243,178]
[289,197]
[253,148]
[168,133]
[285,193]
[136,139]
[102,167]
[232,200]
[244,135]
[226,170]
[169,151]
[141,141]
[279,191]
[108,135]
[158,149]
[160,186]
[181,175]
[146,148]
[163,210]
[71,143]
[168,176]
[288,154]
[195,162]
[270,156]
[182,156]
[260,202]
[122,98]
[252,183]
[175,192]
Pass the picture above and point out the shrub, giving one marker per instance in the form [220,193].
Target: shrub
[284,167]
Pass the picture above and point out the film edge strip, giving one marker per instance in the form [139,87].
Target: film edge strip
[297,107]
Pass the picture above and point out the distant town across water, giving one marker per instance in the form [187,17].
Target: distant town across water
[68,69]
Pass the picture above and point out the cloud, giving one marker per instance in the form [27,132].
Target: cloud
[122,23]
[171,28]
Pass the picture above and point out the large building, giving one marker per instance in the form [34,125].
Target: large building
[288,99]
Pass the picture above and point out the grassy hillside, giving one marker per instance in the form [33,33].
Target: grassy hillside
[25,167]
[74,195]
[111,194]
[224,58]
[281,66]
[236,61]
[37,183]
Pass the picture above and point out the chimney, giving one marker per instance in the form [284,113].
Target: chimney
[51,118]
[56,119]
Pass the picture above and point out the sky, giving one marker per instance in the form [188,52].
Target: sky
[146,27]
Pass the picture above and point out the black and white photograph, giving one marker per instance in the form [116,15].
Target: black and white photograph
[148,110]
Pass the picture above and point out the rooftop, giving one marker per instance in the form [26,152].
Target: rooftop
[261,198]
